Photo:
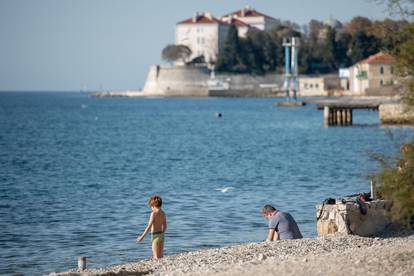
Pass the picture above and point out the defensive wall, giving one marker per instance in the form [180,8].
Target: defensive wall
[245,85]
[192,81]
[195,81]
[170,80]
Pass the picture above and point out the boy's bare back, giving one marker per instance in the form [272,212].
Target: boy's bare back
[159,221]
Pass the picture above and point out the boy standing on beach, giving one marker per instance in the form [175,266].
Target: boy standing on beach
[282,226]
[158,225]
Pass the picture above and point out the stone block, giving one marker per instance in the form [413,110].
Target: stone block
[396,114]
[347,218]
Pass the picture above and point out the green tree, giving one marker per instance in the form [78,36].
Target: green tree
[315,28]
[397,178]
[260,51]
[330,45]
[342,46]
[305,58]
[270,54]
[173,53]
[362,46]
[397,184]
[277,35]
[229,59]
[405,64]
[403,48]
[323,49]
[389,33]
[253,55]
[358,24]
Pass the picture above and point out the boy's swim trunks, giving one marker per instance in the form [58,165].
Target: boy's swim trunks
[157,237]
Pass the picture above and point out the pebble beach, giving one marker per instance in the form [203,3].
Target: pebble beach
[330,255]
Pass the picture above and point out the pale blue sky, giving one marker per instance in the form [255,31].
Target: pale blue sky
[69,44]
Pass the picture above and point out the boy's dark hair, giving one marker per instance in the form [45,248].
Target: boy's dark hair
[155,201]
[268,208]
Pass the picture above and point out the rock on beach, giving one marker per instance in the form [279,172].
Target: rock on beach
[330,255]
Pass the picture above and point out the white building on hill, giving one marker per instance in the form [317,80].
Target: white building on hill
[205,34]
[242,28]
[253,18]
[374,72]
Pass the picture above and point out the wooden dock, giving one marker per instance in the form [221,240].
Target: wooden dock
[339,112]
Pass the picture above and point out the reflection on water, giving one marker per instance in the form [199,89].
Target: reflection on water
[73,185]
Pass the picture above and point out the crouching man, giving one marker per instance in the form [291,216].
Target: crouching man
[282,226]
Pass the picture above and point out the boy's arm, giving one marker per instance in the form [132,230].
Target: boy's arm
[165,224]
[271,235]
[150,222]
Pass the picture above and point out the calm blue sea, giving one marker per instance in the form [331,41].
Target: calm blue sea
[76,173]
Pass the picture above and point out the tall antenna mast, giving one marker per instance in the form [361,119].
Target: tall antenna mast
[291,83]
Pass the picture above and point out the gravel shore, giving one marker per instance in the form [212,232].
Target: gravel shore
[331,255]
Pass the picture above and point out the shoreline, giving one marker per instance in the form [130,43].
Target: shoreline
[329,255]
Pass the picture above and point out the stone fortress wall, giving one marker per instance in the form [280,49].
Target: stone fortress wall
[244,85]
[192,81]
[196,81]
[169,80]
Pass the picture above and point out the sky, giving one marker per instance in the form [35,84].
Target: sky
[73,45]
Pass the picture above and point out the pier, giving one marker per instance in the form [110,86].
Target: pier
[337,116]
[339,112]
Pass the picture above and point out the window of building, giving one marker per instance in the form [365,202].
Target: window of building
[362,75]
[381,82]
[311,85]
[202,40]
[317,85]
[305,85]
[382,70]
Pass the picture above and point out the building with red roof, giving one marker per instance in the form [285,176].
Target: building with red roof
[374,72]
[205,34]
[253,18]
[379,58]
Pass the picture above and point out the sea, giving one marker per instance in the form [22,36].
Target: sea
[76,173]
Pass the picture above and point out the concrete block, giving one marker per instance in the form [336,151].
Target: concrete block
[347,218]
[396,114]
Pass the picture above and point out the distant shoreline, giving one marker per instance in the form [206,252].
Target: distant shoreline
[45,91]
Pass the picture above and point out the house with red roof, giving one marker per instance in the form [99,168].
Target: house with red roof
[205,34]
[242,28]
[253,18]
[374,72]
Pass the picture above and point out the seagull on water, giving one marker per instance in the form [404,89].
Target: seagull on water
[225,189]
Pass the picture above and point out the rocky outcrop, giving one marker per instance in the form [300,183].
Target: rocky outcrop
[349,219]
[396,113]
